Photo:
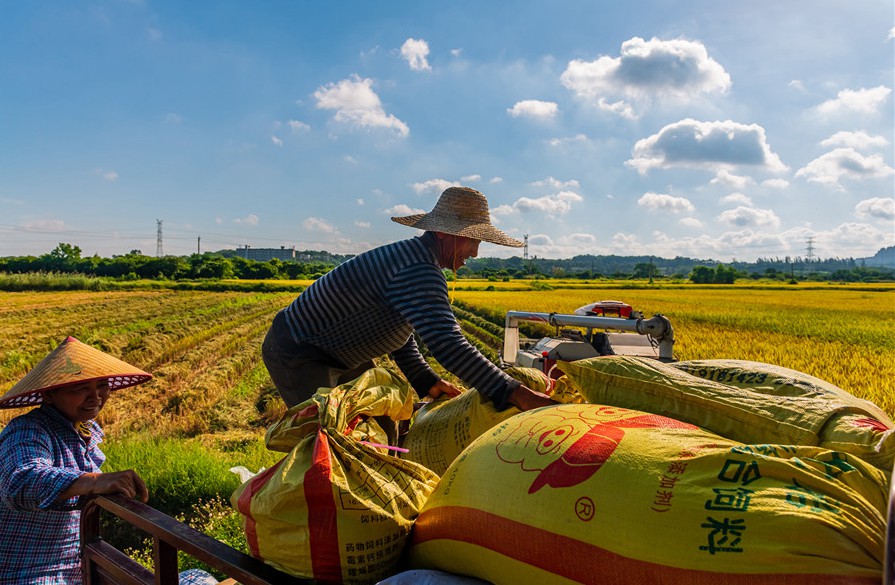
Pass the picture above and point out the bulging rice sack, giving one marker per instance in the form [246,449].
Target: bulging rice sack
[587,493]
[744,413]
[861,427]
[441,429]
[338,507]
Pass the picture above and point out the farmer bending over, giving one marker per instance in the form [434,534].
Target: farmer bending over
[50,457]
[372,304]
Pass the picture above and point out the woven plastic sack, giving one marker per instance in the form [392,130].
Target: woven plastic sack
[861,428]
[337,508]
[596,494]
[737,413]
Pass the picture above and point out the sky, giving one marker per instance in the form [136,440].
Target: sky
[714,130]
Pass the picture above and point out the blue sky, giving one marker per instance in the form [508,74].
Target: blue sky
[715,130]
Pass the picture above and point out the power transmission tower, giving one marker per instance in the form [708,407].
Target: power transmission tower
[158,239]
[810,250]
[525,248]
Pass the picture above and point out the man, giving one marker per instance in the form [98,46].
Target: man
[372,304]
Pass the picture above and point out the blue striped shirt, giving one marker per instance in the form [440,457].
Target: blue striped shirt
[370,306]
[41,455]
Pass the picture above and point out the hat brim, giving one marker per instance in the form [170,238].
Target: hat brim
[476,231]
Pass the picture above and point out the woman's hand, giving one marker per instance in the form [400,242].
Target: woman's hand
[126,483]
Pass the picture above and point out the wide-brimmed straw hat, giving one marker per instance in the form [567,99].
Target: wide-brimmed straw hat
[460,211]
[71,363]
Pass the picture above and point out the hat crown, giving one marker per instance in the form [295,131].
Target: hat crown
[463,203]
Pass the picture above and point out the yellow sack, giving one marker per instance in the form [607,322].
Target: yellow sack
[586,493]
[862,428]
[736,413]
[441,429]
[334,508]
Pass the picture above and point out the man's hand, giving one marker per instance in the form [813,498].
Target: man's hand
[443,387]
[524,398]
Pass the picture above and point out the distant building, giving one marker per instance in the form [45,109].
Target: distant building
[265,254]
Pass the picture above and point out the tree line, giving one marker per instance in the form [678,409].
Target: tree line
[67,259]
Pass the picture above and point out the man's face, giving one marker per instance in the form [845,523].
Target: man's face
[458,249]
[80,402]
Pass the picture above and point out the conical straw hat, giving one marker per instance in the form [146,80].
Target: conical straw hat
[460,211]
[68,364]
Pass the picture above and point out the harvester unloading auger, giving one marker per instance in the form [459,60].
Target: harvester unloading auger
[602,335]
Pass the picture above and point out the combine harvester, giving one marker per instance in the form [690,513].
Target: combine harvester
[604,328]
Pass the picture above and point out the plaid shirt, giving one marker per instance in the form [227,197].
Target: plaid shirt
[41,455]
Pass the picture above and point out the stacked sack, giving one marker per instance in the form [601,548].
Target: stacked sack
[338,507]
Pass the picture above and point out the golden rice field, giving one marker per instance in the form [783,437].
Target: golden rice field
[204,347]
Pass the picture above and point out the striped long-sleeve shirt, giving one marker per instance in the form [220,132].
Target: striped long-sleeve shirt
[370,306]
[41,455]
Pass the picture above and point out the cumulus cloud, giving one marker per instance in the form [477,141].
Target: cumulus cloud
[749,216]
[250,219]
[550,205]
[644,69]
[356,104]
[690,222]
[471,178]
[858,140]
[401,209]
[844,163]
[315,224]
[863,101]
[495,180]
[535,109]
[876,208]
[298,126]
[434,186]
[736,198]
[775,183]
[691,143]
[663,202]
[554,183]
[415,52]
[728,179]
[277,141]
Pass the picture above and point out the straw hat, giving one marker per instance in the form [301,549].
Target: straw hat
[460,211]
[68,364]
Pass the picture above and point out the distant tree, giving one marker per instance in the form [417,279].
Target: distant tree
[702,275]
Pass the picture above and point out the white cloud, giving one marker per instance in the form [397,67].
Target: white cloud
[456,52]
[749,216]
[864,101]
[690,222]
[362,224]
[470,179]
[494,180]
[876,208]
[844,162]
[775,183]
[726,178]
[549,205]
[359,201]
[277,141]
[434,186]
[415,51]
[690,143]
[859,140]
[891,34]
[540,240]
[578,138]
[503,210]
[736,198]
[356,104]
[315,224]
[646,69]
[553,183]
[663,202]
[401,209]
[298,126]
[535,109]
[250,219]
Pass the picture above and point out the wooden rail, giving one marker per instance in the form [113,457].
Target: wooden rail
[103,564]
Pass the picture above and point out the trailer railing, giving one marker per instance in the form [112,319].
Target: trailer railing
[103,564]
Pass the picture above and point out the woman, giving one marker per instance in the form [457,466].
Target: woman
[50,457]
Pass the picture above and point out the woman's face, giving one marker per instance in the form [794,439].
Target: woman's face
[80,402]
